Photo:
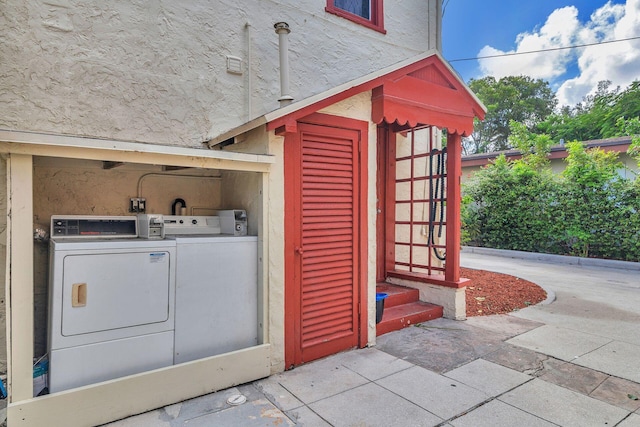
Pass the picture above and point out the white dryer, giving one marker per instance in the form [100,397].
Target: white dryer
[111,305]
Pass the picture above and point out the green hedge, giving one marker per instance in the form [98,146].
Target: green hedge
[587,211]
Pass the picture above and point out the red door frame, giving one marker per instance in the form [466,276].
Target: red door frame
[385,204]
[293,218]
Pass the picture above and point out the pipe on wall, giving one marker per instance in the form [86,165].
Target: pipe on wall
[282,29]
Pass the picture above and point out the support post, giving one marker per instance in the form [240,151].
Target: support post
[19,292]
[454,174]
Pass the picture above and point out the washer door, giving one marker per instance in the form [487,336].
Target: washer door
[108,291]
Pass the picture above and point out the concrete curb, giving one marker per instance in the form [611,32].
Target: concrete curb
[551,296]
[556,259]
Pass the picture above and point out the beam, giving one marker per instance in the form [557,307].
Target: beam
[454,174]
[19,283]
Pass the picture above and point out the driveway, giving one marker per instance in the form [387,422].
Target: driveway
[594,320]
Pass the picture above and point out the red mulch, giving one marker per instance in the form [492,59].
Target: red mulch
[497,293]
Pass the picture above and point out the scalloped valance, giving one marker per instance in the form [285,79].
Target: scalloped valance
[425,92]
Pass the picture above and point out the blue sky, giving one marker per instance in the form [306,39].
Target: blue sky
[473,28]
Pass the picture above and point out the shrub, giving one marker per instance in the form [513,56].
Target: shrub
[587,211]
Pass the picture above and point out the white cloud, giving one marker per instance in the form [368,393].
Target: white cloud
[559,30]
[618,62]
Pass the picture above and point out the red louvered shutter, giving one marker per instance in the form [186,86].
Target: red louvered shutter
[327,257]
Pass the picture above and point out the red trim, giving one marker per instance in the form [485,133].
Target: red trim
[293,217]
[618,145]
[428,95]
[454,175]
[390,219]
[377,15]
[292,169]
[424,92]
[433,279]
[381,197]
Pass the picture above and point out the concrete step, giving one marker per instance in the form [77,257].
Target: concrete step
[397,295]
[402,308]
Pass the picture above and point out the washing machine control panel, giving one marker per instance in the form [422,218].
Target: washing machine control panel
[233,221]
[90,226]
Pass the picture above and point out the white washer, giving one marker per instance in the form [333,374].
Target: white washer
[111,309]
[216,295]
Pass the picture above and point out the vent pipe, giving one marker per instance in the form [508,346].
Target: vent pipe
[282,30]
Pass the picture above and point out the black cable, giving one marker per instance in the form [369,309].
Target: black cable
[501,55]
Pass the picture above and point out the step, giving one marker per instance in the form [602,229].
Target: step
[402,316]
[397,295]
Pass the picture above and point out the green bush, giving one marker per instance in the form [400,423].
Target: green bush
[587,211]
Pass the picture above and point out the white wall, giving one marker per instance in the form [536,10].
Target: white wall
[156,71]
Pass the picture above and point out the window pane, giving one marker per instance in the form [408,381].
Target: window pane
[357,7]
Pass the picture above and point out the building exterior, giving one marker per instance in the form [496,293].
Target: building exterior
[473,162]
[322,120]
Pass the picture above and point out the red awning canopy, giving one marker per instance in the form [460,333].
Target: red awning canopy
[426,92]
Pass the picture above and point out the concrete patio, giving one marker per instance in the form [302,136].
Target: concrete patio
[572,361]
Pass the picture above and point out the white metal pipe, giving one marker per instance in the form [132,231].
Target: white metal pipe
[249,73]
[282,29]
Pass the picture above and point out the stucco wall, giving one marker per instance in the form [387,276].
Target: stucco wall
[156,71]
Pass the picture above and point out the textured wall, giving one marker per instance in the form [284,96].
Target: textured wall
[156,71]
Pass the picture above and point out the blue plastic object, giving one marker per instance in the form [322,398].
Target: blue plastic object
[380,297]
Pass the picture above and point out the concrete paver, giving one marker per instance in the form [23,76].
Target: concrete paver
[488,377]
[565,344]
[632,420]
[258,413]
[312,382]
[304,416]
[372,405]
[371,363]
[619,392]
[616,358]
[455,344]
[573,377]
[151,418]
[439,395]
[562,406]
[518,358]
[276,393]
[504,324]
[499,414]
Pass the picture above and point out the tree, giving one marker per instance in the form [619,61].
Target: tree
[535,148]
[596,117]
[518,98]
